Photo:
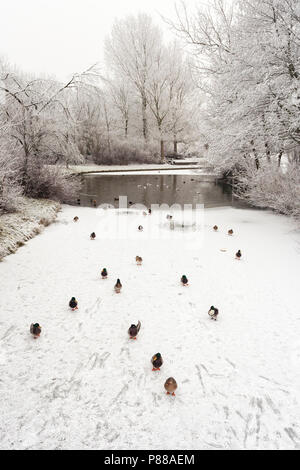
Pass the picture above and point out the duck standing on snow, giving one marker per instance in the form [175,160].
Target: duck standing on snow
[93,236]
[118,286]
[104,273]
[149,211]
[140,228]
[216,228]
[230,232]
[238,255]
[73,304]
[184,281]
[139,260]
[171,386]
[213,313]
[157,362]
[134,330]
[169,217]
[76,219]
[35,330]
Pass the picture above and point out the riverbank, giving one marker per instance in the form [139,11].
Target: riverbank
[203,167]
[238,378]
[30,219]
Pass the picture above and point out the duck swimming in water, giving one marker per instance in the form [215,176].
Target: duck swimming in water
[93,236]
[104,273]
[157,362]
[213,313]
[118,286]
[73,304]
[184,281]
[238,255]
[171,386]
[35,330]
[134,330]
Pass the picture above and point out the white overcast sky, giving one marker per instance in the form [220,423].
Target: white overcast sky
[59,37]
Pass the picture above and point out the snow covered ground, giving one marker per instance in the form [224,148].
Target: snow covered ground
[84,384]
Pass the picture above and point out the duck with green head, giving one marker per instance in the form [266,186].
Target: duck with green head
[104,273]
[184,280]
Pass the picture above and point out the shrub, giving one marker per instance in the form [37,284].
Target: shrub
[270,187]
[9,195]
[124,153]
[49,182]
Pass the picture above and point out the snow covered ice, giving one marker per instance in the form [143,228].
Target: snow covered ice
[83,384]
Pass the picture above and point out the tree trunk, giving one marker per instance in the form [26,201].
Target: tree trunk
[126,128]
[175,146]
[268,152]
[162,151]
[144,116]
[255,155]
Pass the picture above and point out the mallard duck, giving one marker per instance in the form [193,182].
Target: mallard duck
[149,211]
[184,281]
[216,228]
[138,260]
[213,313]
[73,304]
[230,232]
[93,236]
[35,330]
[157,362]
[118,286]
[134,330]
[140,228]
[171,386]
[94,203]
[169,217]
[238,255]
[76,219]
[104,273]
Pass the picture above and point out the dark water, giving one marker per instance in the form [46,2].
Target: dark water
[155,189]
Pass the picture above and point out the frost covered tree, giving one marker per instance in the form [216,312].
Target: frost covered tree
[247,63]
[130,49]
[36,131]
[143,69]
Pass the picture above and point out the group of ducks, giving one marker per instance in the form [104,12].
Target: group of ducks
[238,255]
[157,361]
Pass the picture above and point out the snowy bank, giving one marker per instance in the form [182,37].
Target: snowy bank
[133,168]
[30,219]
